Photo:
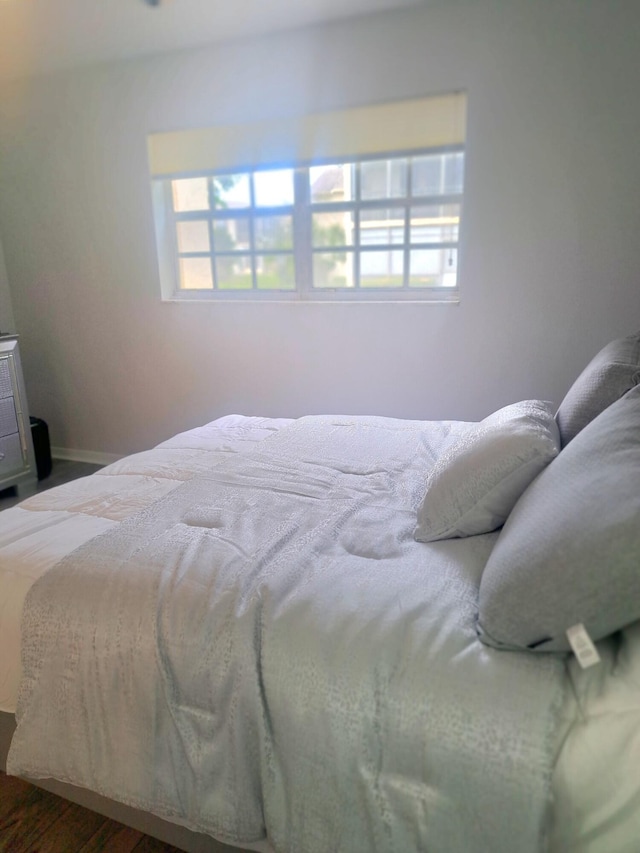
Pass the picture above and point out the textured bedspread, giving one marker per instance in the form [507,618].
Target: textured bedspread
[267,652]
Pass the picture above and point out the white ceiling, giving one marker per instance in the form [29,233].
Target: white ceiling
[41,36]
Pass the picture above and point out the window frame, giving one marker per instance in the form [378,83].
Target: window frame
[303,250]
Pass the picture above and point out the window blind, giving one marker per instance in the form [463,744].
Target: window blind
[416,124]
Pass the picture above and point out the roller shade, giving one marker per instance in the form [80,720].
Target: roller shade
[397,126]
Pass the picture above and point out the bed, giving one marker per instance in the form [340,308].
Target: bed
[342,633]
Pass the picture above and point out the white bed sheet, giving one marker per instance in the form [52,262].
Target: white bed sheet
[596,785]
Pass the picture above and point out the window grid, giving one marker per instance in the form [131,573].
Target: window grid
[302,250]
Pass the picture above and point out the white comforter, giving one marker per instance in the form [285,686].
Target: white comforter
[596,797]
[36,534]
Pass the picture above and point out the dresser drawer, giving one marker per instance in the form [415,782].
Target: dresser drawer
[17,459]
[10,454]
[6,385]
[8,417]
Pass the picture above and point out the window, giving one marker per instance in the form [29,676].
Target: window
[234,232]
[381,225]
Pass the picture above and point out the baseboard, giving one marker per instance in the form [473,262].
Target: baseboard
[93,456]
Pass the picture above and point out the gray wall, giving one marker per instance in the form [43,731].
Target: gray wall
[550,250]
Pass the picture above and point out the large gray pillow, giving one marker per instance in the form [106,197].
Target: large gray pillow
[607,377]
[570,550]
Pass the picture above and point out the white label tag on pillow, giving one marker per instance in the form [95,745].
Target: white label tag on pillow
[582,646]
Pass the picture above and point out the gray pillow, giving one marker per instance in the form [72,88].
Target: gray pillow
[613,372]
[476,482]
[570,550]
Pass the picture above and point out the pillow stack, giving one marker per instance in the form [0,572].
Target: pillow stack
[569,552]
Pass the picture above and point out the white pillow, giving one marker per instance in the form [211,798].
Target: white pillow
[476,482]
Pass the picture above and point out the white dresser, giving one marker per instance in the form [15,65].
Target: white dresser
[17,459]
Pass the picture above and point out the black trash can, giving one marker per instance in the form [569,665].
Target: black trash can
[41,446]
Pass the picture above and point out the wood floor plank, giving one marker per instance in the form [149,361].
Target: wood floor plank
[14,791]
[112,837]
[75,826]
[29,821]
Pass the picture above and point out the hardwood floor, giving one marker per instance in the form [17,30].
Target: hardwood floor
[63,470]
[35,821]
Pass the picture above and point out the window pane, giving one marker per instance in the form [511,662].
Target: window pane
[435,224]
[380,268]
[381,226]
[273,188]
[234,272]
[433,268]
[332,229]
[275,272]
[193,236]
[331,183]
[454,172]
[274,232]
[426,175]
[190,194]
[383,178]
[231,235]
[333,269]
[195,274]
[436,174]
[231,191]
